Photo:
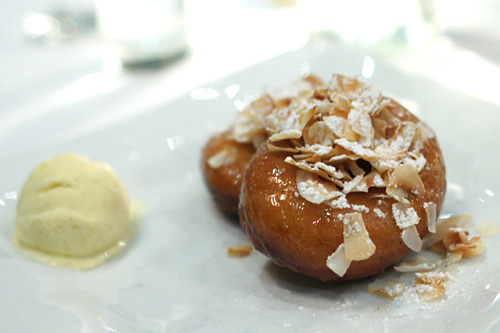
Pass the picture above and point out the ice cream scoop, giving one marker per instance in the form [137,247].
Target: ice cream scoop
[74,212]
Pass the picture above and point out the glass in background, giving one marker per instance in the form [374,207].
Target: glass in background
[142,31]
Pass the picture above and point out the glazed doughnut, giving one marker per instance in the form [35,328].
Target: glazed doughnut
[226,155]
[224,162]
[347,183]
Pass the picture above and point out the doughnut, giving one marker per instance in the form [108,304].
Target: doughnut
[346,183]
[224,162]
[226,155]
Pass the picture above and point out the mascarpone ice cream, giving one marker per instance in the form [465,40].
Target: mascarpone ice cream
[74,212]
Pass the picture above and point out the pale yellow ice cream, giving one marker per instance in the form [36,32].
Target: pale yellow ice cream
[74,212]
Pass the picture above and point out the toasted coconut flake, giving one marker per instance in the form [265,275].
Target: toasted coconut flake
[444,224]
[239,250]
[246,126]
[349,187]
[275,148]
[357,241]
[313,189]
[405,215]
[476,249]
[437,248]
[397,194]
[327,108]
[429,292]
[415,266]
[380,127]
[286,134]
[356,148]
[403,137]
[459,240]
[318,134]
[406,177]
[337,261]
[386,288]
[335,124]
[411,238]
[453,257]
[430,209]
[361,124]
[430,285]
[263,105]
[223,157]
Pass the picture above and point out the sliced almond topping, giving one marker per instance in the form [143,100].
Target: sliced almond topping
[411,238]
[313,189]
[357,241]
[239,250]
[405,215]
[386,288]
[337,261]
[223,157]
[430,209]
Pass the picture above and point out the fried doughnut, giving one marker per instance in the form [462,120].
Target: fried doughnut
[226,156]
[224,162]
[348,182]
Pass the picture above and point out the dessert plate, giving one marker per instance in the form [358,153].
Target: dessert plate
[176,275]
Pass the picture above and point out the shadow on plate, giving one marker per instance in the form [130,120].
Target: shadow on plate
[306,291]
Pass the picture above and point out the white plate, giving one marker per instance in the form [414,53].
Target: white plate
[176,276]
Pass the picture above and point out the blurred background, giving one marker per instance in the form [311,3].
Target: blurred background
[79,48]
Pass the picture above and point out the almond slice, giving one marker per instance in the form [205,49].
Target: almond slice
[337,261]
[386,288]
[411,238]
[357,241]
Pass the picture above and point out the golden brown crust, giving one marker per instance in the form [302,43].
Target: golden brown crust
[300,235]
[224,181]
